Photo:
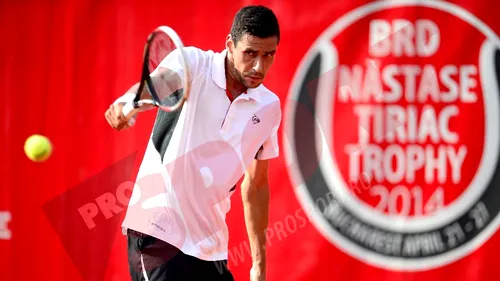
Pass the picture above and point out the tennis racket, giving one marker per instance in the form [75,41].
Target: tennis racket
[158,92]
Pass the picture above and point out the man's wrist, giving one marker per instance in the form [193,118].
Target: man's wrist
[259,264]
[259,268]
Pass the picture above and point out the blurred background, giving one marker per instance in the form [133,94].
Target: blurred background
[403,96]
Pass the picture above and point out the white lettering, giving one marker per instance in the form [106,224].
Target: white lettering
[422,84]
[380,30]
[5,233]
[405,125]
[427,37]
[467,82]
[402,37]
[395,163]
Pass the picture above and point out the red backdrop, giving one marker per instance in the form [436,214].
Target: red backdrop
[64,62]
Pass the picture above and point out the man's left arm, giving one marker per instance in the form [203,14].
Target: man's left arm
[255,196]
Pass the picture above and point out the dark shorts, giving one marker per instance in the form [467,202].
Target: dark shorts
[160,261]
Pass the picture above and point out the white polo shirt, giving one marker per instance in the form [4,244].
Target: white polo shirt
[195,157]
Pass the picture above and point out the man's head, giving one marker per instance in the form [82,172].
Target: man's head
[252,44]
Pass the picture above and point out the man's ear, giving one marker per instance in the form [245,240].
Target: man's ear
[229,44]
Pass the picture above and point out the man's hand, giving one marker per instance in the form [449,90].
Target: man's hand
[115,117]
[257,274]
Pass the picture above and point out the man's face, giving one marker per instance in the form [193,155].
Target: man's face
[252,57]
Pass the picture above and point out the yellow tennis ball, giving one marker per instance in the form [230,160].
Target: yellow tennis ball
[38,148]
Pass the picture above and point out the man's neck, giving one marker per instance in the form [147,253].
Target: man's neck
[234,86]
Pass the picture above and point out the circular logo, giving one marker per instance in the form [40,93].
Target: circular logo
[392,132]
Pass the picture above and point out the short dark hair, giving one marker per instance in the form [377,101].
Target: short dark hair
[255,20]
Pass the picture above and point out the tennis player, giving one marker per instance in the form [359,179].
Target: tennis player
[227,129]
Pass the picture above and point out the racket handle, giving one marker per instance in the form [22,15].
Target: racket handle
[126,110]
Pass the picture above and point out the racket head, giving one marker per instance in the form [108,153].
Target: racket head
[162,42]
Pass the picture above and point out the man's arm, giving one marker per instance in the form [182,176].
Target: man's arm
[255,196]
[166,82]
[167,78]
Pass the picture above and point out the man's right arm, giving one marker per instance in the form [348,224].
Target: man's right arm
[165,81]
[114,114]
[167,78]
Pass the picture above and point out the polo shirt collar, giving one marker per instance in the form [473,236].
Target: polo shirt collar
[219,76]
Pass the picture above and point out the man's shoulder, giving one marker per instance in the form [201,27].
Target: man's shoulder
[270,101]
[193,51]
[267,95]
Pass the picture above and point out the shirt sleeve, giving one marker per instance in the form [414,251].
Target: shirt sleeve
[194,58]
[270,148]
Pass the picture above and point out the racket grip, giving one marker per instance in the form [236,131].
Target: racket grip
[126,110]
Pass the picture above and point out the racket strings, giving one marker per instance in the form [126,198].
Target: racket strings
[163,82]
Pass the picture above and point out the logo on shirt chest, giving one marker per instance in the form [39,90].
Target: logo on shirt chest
[255,119]
[238,119]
